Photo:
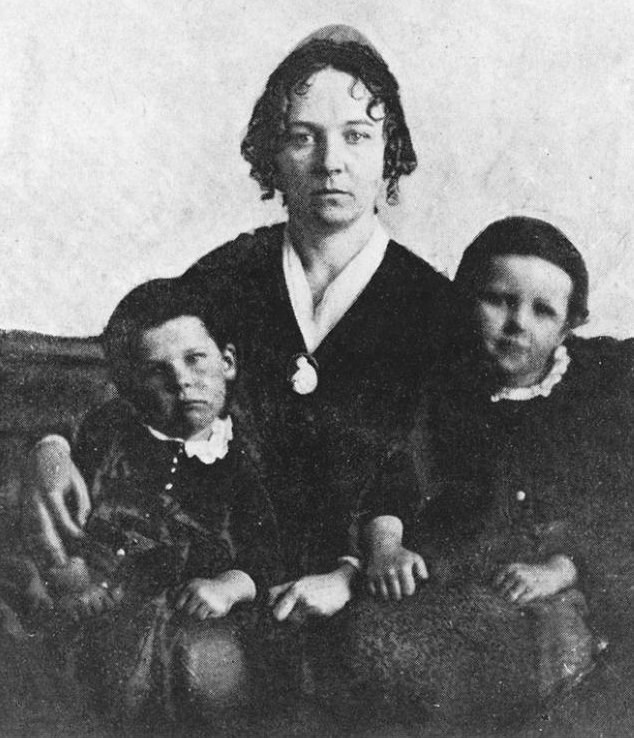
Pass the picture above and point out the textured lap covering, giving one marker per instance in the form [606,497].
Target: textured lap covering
[463,656]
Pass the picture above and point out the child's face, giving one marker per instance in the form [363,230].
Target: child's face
[181,377]
[522,316]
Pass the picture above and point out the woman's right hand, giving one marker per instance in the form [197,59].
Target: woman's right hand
[322,595]
[51,481]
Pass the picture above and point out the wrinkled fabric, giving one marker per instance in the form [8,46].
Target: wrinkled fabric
[145,663]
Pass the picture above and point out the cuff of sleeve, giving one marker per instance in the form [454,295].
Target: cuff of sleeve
[54,438]
[354,562]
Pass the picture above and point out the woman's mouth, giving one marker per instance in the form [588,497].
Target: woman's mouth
[191,404]
[329,192]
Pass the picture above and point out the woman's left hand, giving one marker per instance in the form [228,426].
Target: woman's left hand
[318,594]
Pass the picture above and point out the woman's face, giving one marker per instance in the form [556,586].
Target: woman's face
[522,317]
[181,377]
[331,165]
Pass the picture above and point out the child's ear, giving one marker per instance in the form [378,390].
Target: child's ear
[229,362]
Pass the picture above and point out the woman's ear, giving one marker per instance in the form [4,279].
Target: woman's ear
[565,332]
[229,362]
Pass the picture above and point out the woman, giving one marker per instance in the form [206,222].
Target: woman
[518,500]
[336,323]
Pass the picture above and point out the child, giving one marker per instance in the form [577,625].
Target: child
[488,501]
[180,532]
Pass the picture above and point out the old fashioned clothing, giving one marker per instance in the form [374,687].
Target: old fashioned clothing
[147,665]
[206,450]
[164,512]
[357,387]
[168,515]
[315,323]
[496,483]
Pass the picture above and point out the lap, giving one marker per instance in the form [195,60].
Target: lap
[457,653]
[152,664]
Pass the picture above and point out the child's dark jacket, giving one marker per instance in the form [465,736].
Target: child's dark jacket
[162,518]
[494,482]
[483,484]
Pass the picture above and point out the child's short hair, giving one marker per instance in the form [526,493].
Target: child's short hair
[147,306]
[523,236]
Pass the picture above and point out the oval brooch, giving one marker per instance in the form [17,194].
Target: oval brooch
[302,374]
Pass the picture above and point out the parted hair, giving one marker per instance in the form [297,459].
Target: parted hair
[267,128]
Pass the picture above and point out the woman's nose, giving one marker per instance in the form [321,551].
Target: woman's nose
[331,152]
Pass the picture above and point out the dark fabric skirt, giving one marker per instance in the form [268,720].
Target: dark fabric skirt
[463,655]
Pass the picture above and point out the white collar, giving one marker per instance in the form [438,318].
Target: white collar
[561,360]
[209,449]
[316,323]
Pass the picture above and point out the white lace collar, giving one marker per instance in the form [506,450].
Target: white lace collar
[561,360]
[209,449]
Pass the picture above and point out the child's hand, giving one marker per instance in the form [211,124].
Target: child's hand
[523,583]
[213,598]
[392,572]
[205,598]
[93,601]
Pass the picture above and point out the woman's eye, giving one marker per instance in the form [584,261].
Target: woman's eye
[354,137]
[300,138]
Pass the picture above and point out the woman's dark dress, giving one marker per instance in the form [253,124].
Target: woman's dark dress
[318,447]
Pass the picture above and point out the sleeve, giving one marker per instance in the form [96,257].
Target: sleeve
[93,440]
[404,481]
[392,490]
[47,477]
[556,538]
[253,528]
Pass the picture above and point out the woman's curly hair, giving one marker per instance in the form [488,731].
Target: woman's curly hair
[267,127]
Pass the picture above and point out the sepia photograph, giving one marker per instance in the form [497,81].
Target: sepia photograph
[316,366]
